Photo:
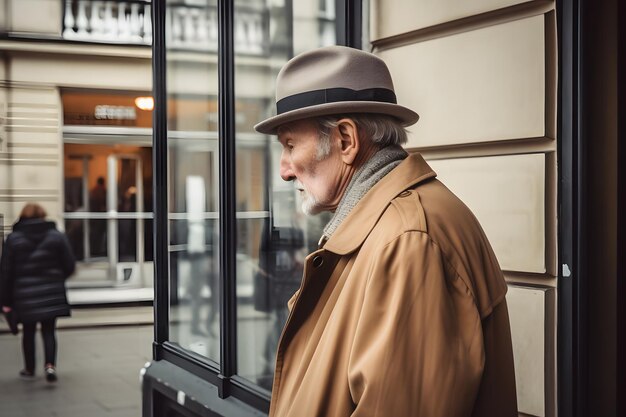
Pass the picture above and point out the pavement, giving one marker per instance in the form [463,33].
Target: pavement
[100,354]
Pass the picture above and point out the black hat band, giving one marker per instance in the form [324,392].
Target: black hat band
[333,95]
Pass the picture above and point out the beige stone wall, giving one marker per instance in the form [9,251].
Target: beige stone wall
[79,71]
[31,152]
[3,14]
[40,17]
[482,76]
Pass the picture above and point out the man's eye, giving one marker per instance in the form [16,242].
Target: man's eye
[289,146]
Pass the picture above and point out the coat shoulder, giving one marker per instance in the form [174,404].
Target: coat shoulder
[15,240]
[409,212]
[405,213]
[432,209]
[453,226]
[13,237]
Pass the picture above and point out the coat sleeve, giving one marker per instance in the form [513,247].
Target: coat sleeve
[68,262]
[6,275]
[418,348]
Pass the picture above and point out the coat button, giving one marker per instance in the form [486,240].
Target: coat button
[405,193]
[318,261]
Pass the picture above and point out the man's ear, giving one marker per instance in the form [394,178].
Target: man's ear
[348,134]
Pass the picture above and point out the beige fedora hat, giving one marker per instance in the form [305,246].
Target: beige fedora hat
[334,80]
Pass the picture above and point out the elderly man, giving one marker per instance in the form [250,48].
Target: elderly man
[401,311]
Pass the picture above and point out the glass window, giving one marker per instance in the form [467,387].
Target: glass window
[192,86]
[108,205]
[273,235]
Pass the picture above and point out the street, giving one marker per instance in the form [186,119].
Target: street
[98,369]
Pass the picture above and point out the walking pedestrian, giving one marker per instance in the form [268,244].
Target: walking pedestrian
[36,260]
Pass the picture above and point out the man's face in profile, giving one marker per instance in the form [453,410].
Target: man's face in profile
[315,175]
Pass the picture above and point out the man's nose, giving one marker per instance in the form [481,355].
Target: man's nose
[286,173]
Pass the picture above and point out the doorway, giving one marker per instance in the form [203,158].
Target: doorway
[108,214]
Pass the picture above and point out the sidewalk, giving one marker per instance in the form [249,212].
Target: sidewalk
[98,367]
[99,317]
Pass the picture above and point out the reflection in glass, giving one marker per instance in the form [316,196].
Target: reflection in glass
[98,227]
[193,255]
[193,175]
[273,236]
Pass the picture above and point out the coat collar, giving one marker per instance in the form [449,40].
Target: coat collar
[34,226]
[352,232]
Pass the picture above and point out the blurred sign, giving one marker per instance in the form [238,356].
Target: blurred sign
[110,109]
[103,111]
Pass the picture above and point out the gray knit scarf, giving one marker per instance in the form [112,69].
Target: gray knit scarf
[363,180]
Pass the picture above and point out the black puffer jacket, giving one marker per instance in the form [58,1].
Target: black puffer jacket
[36,261]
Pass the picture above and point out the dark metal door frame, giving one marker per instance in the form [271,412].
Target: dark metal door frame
[621,208]
[575,33]
[572,308]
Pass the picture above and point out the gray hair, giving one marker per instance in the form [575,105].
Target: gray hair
[380,129]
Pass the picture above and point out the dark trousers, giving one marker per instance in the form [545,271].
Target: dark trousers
[49,342]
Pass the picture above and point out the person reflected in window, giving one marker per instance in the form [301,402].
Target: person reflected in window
[128,228]
[401,311]
[202,271]
[276,279]
[97,227]
[98,197]
[36,260]
[201,274]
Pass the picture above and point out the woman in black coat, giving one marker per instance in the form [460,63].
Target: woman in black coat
[36,261]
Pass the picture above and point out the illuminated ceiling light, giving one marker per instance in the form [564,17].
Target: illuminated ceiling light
[144,103]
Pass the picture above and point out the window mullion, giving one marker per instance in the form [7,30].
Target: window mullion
[227,202]
[159,155]
[354,23]
[349,22]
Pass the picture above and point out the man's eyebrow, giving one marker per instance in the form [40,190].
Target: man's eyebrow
[283,134]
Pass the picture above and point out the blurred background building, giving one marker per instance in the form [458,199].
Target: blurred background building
[76,135]
[500,92]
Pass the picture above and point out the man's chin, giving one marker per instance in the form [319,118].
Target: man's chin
[311,208]
[310,211]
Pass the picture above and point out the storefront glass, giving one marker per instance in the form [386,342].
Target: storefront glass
[107,164]
[273,235]
[192,78]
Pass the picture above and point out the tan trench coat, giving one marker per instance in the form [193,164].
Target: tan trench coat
[401,313]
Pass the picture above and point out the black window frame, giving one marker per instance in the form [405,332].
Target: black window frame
[572,361]
[223,374]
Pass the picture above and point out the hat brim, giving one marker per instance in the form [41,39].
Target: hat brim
[406,116]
